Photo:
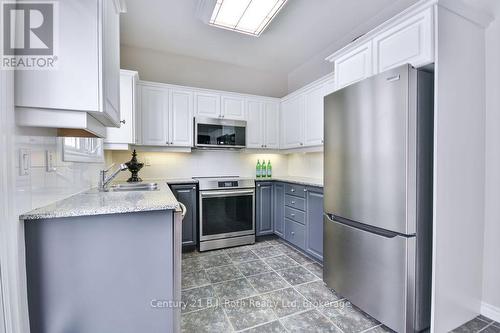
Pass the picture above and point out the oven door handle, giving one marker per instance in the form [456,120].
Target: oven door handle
[226,193]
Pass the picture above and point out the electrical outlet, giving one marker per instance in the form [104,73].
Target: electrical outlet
[24,162]
[50,161]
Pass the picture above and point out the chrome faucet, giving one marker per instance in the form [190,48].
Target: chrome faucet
[105,180]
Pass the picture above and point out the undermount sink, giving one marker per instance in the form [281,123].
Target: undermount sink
[134,187]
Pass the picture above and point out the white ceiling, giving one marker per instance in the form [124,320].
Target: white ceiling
[302,29]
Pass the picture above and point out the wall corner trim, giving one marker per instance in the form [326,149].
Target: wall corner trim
[490,311]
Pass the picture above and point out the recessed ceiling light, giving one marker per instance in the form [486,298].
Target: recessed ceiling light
[246,16]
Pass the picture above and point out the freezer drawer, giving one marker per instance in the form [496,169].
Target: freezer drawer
[374,272]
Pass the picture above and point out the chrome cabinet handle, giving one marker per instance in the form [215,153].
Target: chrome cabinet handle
[305,190]
[293,202]
[292,215]
[293,233]
[194,187]
[123,121]
[292,190]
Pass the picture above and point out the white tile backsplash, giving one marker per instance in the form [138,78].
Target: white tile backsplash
[41,187]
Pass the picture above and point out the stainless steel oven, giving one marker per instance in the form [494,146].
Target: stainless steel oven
[227,212]
[212,133]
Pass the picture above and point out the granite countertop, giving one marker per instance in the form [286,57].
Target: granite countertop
[293,179]
[93,202]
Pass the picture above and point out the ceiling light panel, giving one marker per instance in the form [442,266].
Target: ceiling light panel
[246,16]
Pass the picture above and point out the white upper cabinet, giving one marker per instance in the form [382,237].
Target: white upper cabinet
[87,77]
[271,118]
[407,38]
[217,105]
[233,107]
[410,41]
[207,104]
[166,115]
[314,115]
[254,130]
[263,124]
[154,104]
[125,135]
[111,61]
[354,65]
[292,116]
[181,118]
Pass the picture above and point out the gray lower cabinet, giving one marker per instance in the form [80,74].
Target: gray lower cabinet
[187,194]
[314,222]
[293,212]
[279,209]
[264,209]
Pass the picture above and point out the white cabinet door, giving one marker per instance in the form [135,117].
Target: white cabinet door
[75,83]
[233,107]
[207,105]
[254,132]
[271,120]
[293,122]
[411,41]
[354,66]
[181,118]
[154,116]
[87,76]
[314,114]
[128,99]
[111,61]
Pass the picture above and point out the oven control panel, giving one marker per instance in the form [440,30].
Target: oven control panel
[232,183]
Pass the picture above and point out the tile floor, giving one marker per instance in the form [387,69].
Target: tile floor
[265,287]
[271,287]
[479,324]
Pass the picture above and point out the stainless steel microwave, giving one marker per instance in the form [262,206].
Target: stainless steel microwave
[219,133]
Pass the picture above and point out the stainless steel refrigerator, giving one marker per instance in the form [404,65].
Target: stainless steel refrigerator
[378,196]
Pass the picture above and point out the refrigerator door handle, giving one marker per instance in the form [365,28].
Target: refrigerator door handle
[364,227]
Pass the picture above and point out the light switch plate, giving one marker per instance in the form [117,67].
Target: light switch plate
[24,162]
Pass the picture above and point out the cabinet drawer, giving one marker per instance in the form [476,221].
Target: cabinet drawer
[296,215]
[297,190]
[295,202]
[295,233]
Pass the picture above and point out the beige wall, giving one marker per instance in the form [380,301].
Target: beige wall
[306,165]
[491,264]
[182,70]
[201,164]
[223,163]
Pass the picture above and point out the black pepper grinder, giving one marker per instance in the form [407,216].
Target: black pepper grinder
[134,166]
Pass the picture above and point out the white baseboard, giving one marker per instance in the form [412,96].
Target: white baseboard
[490,311]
